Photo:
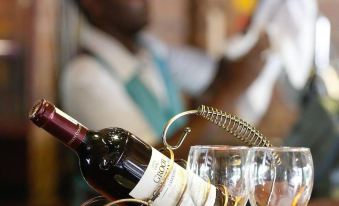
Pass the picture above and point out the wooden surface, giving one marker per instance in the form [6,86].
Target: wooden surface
[324,202]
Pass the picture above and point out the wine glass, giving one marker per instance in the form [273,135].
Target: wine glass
[279,176]
[216,175]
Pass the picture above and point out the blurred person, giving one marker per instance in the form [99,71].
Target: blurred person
[317,126]
[125,77]
[289,26]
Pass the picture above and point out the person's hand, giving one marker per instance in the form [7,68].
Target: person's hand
[233,77]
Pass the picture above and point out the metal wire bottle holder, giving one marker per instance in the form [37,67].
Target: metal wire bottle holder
[230,123]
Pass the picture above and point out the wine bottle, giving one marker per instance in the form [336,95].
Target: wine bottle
[118,164]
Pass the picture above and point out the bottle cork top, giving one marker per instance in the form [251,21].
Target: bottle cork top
[41,112]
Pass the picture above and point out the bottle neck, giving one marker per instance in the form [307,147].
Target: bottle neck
[45,115]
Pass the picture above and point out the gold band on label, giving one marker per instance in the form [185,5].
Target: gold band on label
[207,193]
[183,191]
[298,196]
[161,185]
[225,193]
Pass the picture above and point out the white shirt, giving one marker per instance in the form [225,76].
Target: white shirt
[97,97]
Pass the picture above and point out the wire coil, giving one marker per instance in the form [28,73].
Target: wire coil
[235,126]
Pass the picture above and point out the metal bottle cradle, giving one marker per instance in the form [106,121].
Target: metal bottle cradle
[237,127]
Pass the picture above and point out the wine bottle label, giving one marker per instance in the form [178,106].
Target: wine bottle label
[174,190]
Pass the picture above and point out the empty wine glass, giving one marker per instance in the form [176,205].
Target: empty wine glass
[280,176]
[224,168]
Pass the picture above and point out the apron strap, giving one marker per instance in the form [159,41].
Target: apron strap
[155,113]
